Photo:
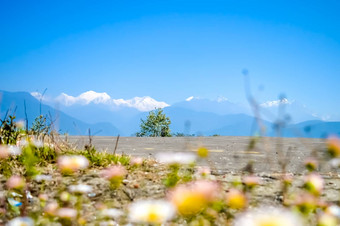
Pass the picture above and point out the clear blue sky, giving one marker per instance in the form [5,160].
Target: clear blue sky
[171,50]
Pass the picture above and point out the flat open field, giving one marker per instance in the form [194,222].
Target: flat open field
[227,154]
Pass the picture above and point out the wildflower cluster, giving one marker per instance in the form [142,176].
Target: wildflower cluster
[45,186]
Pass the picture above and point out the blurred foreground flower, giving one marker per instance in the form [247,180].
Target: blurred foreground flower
[311,164]
[42,177]
[136,161]
[236,199]
[65,196]
[22,142]
[266,216]
[51,209]
[16,182]
[203,172]
[190,199]
[72,163]
[287,179]
[333,146]
[37,143]
[305,203]
[43,197]
[67,213]
[210,189]
[111,213]
[21,221]
[334,210]
[151,211]
[20,124]
[80,189]
[313,183]
[14,150]
[184,158]
[114,174]
[202,152]
[326,219]
[4,152]
[250,181]
[335,162]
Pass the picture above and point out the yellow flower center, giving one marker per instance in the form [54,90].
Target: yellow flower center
[153,216]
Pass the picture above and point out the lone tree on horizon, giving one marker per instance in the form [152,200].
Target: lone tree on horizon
[155,125]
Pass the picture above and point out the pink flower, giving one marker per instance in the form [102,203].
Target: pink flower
[203,172]
[136,161]
[16,182]
[314,183]
[51,208]
[67,213]
[114,172]
[4,152]
[251,181]
[209,189]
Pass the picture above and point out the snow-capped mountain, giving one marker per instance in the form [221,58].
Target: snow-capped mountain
[100,112]
[91,97]
[220,106]
[84,98]
[24,106]
[292,110]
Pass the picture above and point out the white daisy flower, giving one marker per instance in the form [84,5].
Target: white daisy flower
[176,158]
[268,216]
[80,189]
[111,213]
[42,177]
[14,150]
[72,163]
[151,211]
[21,221]
[67,213]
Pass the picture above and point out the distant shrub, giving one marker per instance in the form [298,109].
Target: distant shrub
[155,125]
[9,131]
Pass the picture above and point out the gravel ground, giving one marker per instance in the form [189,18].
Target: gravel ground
[227,154]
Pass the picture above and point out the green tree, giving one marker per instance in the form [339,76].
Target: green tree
[155,125]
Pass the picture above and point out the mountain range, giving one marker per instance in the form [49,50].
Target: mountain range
[107,116]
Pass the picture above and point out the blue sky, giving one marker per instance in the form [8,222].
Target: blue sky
[171,50]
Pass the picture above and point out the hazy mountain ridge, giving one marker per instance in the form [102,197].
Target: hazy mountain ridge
[14,102]
[189,117]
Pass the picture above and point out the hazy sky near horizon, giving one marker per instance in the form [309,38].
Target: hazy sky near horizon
[171,50]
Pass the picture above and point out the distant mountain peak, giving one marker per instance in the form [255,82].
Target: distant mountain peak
[221,99]
[275,103]
[145,103]
[192,98]
[189,98]
[84,98]
[218,99]
[92,96]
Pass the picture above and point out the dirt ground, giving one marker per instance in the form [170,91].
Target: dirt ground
[227,154]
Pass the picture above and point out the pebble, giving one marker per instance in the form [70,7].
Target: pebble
[91,195]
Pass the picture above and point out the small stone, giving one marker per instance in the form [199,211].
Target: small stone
[136,185]
[91,195]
